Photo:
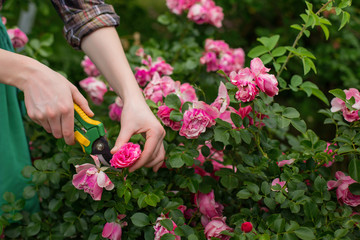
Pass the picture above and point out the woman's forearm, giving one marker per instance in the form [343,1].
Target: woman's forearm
[15,68]
[105,50]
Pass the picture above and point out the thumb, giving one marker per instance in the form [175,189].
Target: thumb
[80,100]
[124,137]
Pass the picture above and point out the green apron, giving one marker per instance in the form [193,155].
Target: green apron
[14,150]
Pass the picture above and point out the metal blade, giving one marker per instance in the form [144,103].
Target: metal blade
[101,148]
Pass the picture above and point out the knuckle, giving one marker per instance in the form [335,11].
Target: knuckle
[40,116]
[65,110]
[51,114]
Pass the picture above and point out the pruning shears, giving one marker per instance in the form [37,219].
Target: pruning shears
[91,136]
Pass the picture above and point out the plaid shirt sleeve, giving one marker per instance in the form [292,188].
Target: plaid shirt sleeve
[82,17]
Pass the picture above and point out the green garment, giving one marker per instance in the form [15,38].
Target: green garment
[14,150]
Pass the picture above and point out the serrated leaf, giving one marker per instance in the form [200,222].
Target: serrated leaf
[304,233]
[354,169]
[279,51]
[140,219]
[173,101]
[257,51]
[338,93]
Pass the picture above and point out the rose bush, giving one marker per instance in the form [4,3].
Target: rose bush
[239,165]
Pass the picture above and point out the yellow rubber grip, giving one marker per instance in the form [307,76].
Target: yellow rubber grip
[81,139]
[85,117]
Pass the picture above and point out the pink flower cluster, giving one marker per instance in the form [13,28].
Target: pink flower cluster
[161,230]
[159,87]
[126,156]
[212,219]
[145,73]
[329,151]
[113,230]
[199,11]
[89,67]
[339,105]
[95,88]
[115,109]
[92,179]
[219,56]
[342,192]
[249,80]
[18,38]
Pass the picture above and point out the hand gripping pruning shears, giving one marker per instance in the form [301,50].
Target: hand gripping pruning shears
[91,136]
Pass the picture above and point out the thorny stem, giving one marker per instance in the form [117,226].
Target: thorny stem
[298,38]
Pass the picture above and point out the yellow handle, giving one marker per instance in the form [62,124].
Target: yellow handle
[85,117]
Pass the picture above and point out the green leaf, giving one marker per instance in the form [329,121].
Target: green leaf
[345,149]
[55,204]
[265,188]
[167,236]
[245,136]
[164,19]
[167,223]
[300,125]
[244,194]
[9,197]
[355,188]
[230,181]
[176,161]
[221,135]
[176,116]
[305,233]
[266,58]
[338,93]
[270,42]
[325,30]
[279,51]
[270,203]
[279,225]
[67,229]
[296,80]
[354,169]
[140,219]
[284,122]
[345,19]
[236,119]
[32,229]
[29,192]
[173,101]
[257,51]
[320,95]
[27,171]
[340,233]
[291,112]
[110,215]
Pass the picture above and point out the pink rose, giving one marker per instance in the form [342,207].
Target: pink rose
[277,181]
[95,88]
[239,58]
[210,59]
[160,230]
[142,75]
[215,227]
[159,87]
[126,156]
[246,227]
[244,111]
[285,162]
[216,46]
[338,104]
[226,61]
[164,115]
[267,84]
[162,67]
[207,205]
[342,192]
[18,38]
[115,109]
[112,231]
[246,93]
[92,179]
[195,122]
[89,67]
[140,52]
[198,14]
[177,6]
[185,92]
[216,16]
[241,78]
[257,67]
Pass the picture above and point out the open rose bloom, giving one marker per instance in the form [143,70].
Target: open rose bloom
[89,67]
[95,88]
[92,179]
[126,156]
[214,228]
[342,189]
[339,105]
[161,230]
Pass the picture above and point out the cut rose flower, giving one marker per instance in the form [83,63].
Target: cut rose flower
[126,156]
[92,179]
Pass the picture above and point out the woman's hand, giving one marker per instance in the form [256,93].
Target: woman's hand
[136,117]
[49,100]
